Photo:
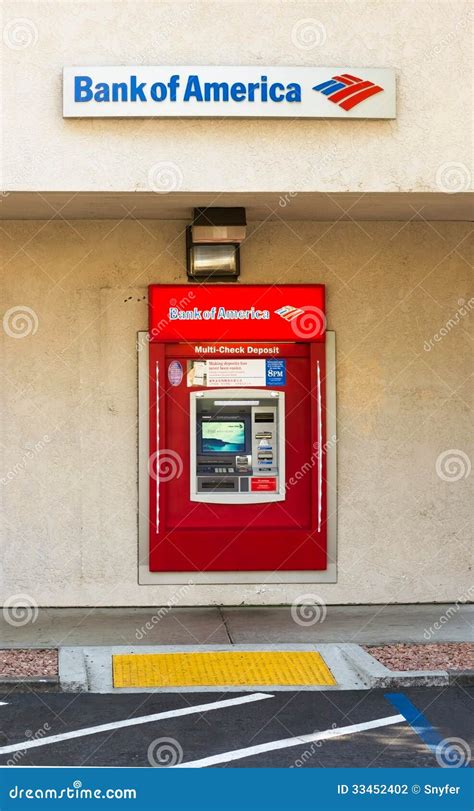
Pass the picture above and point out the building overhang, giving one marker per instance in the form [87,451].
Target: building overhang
[284,205]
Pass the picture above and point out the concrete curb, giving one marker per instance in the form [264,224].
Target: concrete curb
[461,678]
[45,684]
[414,678]
[367,667]
[72,670]
[340,665]
[377,675]
[89,669]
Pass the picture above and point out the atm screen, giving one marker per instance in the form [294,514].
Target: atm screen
[220,436]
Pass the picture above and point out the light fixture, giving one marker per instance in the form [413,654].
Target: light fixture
[212,243]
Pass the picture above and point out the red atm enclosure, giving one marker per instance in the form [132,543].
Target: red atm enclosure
[237,427]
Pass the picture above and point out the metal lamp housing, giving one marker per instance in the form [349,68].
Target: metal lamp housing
[211,260]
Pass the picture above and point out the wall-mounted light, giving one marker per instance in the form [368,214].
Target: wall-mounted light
[212,243]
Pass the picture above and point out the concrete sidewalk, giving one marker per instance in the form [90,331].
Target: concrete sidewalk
[364,625]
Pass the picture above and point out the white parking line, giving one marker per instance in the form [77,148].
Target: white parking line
[130,722]
[284,743]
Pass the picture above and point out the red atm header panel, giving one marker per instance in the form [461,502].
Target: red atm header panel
[293,312]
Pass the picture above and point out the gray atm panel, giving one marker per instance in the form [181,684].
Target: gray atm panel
[227,472]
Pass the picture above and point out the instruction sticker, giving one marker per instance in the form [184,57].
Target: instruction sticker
[263,484]
[236,372]
[175,373]
[275,372]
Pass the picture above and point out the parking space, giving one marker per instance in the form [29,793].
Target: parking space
[284,729]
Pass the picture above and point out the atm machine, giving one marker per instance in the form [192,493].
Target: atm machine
[237,446]
[237,421]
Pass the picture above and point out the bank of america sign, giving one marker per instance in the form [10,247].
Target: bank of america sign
[228,92]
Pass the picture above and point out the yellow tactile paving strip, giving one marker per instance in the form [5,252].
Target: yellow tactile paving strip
[221,668]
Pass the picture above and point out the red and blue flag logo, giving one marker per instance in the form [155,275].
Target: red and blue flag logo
[348,91]
[289,313]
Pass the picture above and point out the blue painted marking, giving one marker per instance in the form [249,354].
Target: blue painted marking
[418,722]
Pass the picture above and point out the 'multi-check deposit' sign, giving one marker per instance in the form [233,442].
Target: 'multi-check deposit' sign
[233,92]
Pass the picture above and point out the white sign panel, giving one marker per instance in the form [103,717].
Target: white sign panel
[228,92]
[236,373]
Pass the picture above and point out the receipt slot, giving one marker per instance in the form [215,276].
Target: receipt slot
[237,426]
[237,446]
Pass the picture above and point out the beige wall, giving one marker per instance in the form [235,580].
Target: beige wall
[427,148]
[69,404]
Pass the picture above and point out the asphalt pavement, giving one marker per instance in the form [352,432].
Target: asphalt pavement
[360,728]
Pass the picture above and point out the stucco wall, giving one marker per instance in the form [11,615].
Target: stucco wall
[68,445]
[428,42]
